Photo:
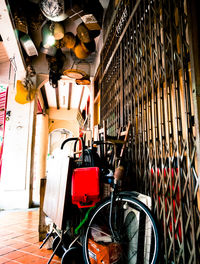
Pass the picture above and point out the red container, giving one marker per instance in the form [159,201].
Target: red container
[85,187]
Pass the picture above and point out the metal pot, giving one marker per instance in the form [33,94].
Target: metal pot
[53,9]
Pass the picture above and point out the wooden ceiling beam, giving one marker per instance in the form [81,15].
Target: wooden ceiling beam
[57,97]
[82,92]
[44,96]
[69,96]
[41,80]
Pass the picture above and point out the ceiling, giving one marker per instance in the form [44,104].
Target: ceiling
[66,93]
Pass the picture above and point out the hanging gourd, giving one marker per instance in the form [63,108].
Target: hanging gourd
[25,90]
[69,40]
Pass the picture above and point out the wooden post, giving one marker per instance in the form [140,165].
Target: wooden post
[42,225]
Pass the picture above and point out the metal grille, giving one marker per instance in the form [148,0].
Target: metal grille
[146,78]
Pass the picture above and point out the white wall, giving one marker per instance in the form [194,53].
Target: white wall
[15,175]
[16,159]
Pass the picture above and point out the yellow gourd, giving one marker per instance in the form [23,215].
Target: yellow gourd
[23,96]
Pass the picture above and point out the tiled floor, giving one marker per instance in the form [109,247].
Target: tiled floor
[19,239]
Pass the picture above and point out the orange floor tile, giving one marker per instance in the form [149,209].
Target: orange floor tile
[19,241]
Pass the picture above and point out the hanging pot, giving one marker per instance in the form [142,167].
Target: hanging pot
[54,10]
[80,52]
[94,33]
[48,39]
[28,45]
[82,70]
[89,47]
[83,81]
[51,51]
[83,33]
[93,15]
[69,40]
[91,22]
[74,74]
[58,31]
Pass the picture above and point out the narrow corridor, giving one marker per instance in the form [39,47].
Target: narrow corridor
[19,241]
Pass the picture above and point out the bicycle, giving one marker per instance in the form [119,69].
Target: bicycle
[124,225]
[121,227]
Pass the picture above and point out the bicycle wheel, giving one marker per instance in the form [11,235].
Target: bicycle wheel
[135,229]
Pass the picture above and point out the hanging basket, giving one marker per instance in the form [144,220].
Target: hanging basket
[83,81]
[74,74]
[82,71]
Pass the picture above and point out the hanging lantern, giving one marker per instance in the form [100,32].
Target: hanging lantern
[48,39]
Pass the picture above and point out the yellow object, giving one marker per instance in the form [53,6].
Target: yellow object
[69,40]
[80,52]
[90,22]
[23,96]
[58,31]
[83,33]
[75,74]
[83,81]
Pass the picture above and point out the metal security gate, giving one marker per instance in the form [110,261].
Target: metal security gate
[145,78]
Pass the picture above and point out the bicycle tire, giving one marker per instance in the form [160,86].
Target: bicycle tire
[136,245]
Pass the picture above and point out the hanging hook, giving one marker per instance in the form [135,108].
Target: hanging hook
[13,64]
